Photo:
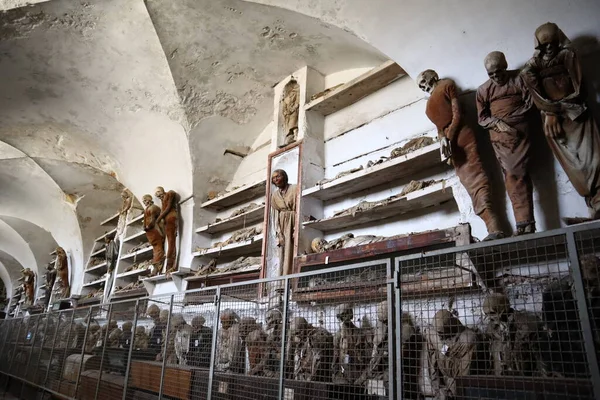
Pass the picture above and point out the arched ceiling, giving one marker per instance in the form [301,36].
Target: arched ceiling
[227,55]
[39,240]
[11,242]
[10,272]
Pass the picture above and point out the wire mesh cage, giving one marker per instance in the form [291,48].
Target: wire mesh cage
[514,319]
[493,322]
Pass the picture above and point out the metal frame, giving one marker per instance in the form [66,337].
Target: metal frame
[394,297]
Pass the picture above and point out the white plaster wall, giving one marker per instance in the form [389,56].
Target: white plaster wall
[253,167]
[6,280]
[28,191]
[12,243]
[453,38]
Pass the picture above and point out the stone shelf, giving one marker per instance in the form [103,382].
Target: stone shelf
[236,222]
[89,300]
[133,274]
[138,292]
[356,89]
[255,268]
[239,195]
[138,236]
[419,199]
[110,219]
[98,252]
[95,283]
[143,252]
[100,268]
[112,231]
[42,286]
[395,169]
[157,278]
[236,249]
[139,218]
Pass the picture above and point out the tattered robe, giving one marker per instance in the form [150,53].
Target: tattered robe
[170,205]
[555,85]
[284,205]
[510,103]
[155,234]
[465,156]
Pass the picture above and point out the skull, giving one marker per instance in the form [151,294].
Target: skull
[548,37]
[160,192]
[153,311]
[163,316]
[127,326]
[198,322]
[445,323]
[427,80]
[496,65]
[140,330]
[273,318]
[228,318]
[279,178]
[147,200]
[344,313]
[298,328]
[126,194]
[496,305]
[318,245]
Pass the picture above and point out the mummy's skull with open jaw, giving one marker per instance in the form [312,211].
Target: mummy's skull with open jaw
[427,80]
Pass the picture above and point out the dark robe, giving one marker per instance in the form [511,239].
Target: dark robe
[555,85]
[510,103]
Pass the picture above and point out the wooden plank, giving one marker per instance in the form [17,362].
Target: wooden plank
[97,269]
[239,195]
[142,252]
[133,274]
[404,243]
[97,282]
[130,293]
[356,89]
[139,218]
[432,195]
[138,236]
[101,238]
[392,170]
[221,274]
[236,222]
[110,219]
[247,247]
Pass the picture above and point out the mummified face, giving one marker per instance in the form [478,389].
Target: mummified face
[427,80]
[147,200]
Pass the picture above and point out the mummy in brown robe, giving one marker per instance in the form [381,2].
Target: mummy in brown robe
[553,76]
[460,146]
[154,230]
[170,217]
[503,105]
[283,202]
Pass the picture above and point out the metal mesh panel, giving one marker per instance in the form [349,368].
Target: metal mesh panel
[244,364]
[498,321]
[338,334]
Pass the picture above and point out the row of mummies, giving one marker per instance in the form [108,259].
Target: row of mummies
[551,81]
[433,356]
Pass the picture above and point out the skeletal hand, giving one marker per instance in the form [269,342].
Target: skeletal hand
[552,127]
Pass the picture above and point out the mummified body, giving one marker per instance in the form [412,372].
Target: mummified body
[503,105]
[283,202]
[452,353]
[460,146]
[154,230]
[514,338]
[351,350]
[170,215]
[553,76]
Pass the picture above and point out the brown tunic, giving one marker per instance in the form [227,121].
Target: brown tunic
[510,103]
[155,234]
[171,218]
[555,85]
[465,157]
[284,205]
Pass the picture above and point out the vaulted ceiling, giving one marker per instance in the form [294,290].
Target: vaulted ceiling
[105,94]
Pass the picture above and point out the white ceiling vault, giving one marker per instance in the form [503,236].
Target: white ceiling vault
[98,95]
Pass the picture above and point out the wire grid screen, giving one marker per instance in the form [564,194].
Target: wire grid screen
[498,322]
[248,343]
[337,336]
[588,248]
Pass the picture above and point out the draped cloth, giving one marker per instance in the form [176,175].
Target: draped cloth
[465,156]
[510,103]
[284,205]
[555,85]
[155,235]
